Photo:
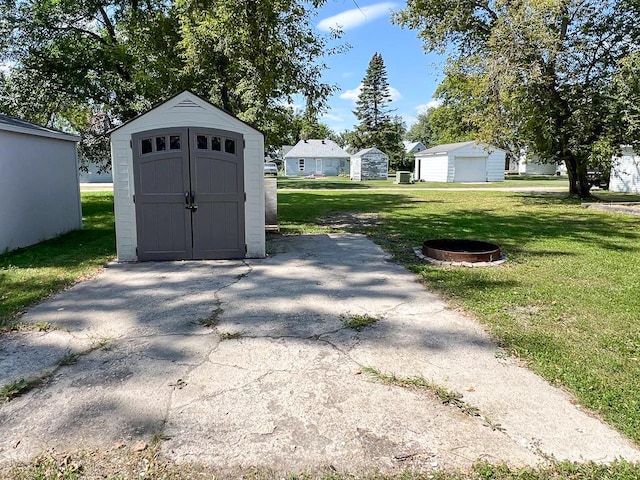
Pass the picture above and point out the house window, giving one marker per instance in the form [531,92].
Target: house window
[301,164]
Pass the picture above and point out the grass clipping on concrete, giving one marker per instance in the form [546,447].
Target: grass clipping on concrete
[125,462]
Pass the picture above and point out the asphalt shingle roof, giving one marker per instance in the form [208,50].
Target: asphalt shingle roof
[316,148]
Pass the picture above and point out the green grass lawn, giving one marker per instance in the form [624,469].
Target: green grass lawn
[567,301]
[30,274]
[341,183]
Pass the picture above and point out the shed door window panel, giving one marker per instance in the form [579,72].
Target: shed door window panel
[160,143]
[215,143]
[301,164]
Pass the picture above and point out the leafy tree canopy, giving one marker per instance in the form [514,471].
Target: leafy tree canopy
[543,71]
[75,62]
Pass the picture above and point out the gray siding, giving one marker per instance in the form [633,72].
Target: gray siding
[39,191]
[370,166]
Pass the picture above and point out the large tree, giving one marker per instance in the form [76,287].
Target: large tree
[453,119]
[378,127]
[544,70]
[117,58]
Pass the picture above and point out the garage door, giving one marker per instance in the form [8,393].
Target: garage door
[470,169]
[189,194]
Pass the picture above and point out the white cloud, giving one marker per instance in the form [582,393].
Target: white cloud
[355,93]
[332,117]
[356,17]
[422,108]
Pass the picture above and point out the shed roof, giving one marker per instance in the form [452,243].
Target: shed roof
[17,125]
[188,99]
[452,147]
[364,151]
[316,148]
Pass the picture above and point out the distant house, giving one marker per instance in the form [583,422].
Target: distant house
[529,163]
[316,157]
[411,148]
[460,162]
[369,164]
[625,172]
[39,190]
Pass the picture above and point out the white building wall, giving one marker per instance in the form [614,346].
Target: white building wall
[186,110]
[531,165]
[355,169]
[432,168]
[330,166]
[39,191]
[625,173]
[495,166]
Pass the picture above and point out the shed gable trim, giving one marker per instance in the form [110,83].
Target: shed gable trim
[196,102]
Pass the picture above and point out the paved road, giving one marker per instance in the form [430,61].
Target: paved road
[277,380]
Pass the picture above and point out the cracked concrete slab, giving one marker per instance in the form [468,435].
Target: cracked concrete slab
[274,379]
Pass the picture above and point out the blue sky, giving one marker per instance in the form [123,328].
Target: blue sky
[413,75]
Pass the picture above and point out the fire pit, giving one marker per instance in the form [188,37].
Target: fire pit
[461,250]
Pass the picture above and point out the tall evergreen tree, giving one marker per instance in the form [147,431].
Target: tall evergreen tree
[377,127]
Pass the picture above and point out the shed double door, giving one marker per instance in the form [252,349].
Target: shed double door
[189,194]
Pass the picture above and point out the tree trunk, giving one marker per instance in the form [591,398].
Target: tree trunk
[577,171]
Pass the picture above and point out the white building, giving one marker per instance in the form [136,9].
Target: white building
[369,164]
[316,157]
[625,172]
[460,162]
[39,190]
[188,184]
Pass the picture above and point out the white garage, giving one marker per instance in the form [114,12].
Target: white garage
[188,184]
[39,190]
[460,162]
[625,172]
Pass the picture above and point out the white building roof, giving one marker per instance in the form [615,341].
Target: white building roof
[410,147]
[17,125]
[452,147]
[364,151]
[316,148]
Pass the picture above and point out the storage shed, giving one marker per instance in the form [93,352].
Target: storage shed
[625,172]
[188,184]
[39,190]
[316,157]
[460,162]
[369,164]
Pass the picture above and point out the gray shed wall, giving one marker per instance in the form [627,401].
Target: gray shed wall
[39,191]
[370,166]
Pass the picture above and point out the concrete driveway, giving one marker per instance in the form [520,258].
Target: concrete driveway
[277,380]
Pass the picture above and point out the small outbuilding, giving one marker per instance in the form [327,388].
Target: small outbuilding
[460,162]
[39,189]
[369,164]
[316,157]
[625,172]
[188,184]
